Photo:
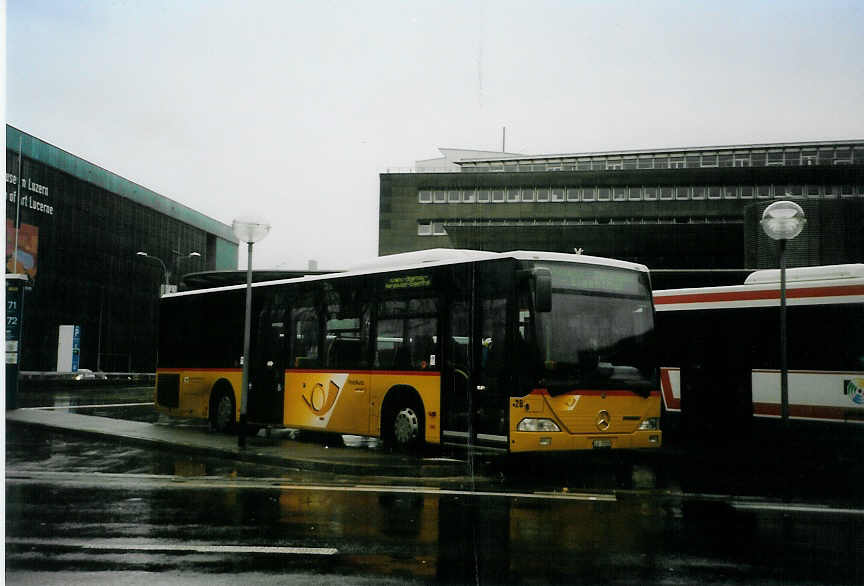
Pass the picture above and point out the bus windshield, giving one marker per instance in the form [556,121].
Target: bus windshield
[599,333]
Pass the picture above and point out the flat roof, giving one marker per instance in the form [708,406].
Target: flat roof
[637,152]
[44,152]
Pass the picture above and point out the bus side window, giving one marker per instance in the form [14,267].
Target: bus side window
[306,333]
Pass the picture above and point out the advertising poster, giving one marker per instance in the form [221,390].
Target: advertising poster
[28,248]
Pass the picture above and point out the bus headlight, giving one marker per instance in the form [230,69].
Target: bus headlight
[650,424]
[534,424]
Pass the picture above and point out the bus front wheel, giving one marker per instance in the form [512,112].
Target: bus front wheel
[222,412]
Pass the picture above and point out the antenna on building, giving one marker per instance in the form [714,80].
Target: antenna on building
[503,139]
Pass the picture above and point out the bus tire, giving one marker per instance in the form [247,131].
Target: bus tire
[222,410]
[404,422]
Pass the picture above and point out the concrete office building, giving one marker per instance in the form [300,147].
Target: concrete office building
[75,230]
[688,209]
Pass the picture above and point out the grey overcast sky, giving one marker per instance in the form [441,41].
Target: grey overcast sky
[290,109]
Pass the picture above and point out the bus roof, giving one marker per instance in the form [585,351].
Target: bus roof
[805,286]
[436,257]
[823,273]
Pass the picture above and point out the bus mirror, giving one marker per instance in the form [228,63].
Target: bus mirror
[542,290]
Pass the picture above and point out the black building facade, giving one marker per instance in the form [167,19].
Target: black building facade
[684,211]
[75,230]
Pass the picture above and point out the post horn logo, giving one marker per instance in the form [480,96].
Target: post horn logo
[603,420]
[319,400]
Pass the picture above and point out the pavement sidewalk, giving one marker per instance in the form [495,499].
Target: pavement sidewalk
[264,450]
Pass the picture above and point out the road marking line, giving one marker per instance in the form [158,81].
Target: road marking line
[452,492]
[84,406]
[197,482]
[793,508]
[168,547]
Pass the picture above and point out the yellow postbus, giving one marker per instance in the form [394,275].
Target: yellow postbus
[523,351]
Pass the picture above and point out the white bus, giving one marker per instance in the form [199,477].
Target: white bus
[720,351]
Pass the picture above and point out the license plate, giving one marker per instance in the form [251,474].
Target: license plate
[602,444]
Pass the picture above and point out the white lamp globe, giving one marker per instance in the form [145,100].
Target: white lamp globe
[783,220]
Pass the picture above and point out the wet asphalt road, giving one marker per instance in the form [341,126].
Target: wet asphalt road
[80,510]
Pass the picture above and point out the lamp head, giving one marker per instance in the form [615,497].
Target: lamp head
[250,229]
[783,220]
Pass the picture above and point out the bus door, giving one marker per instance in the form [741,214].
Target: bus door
[474,395]
[456,373]
[267,361]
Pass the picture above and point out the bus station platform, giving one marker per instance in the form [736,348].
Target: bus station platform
[274,450]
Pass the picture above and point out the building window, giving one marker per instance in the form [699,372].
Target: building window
[763,191]
[832,192]
[661,162]
[646,163]
[510,167]
[730,192]
[440,196]
[846,191]
[619,193]
[527,194]
[635,193]
[812,191]
[693,161]
[557,194]
[780,191]
[757,158]
[424,229]
[583,165]
[699,192]
[742,159]
[598,165]
[572,194]
[796,190]
[468,196]
[497,196]
[826,156]
[650,193]
[424,196]
[630,163]
[438,229]
[746,191]
[614,164]
[725,160]
[483,196]
[453,196]
[542,194]
[604,194]
[587,194]
[714,192]
[709,160]
[774,159]
[676,162]
[667,193]
[682,192]
[843,156]
[858,155]
[805,158]
[513,194]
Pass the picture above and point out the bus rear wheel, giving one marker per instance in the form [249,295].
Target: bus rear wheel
[222,412]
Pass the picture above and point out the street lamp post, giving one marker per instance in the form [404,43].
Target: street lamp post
[178,256]
[250,231]
[161,264]
[782,221]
